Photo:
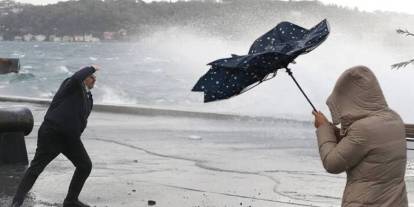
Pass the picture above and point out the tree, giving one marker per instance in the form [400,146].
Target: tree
[405,63]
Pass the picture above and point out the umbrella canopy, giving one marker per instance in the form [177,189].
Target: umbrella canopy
[272,51]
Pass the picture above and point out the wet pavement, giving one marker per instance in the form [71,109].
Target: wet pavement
[195,162]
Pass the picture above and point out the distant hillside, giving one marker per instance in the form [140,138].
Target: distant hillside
[229,18]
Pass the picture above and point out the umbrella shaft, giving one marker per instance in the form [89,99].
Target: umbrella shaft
[300,88]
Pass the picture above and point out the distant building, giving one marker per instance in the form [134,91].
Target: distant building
[122,32]
[27,37]
[40,38]
[18,38]
[54,38]
[67,39]
[87,38]
[78,38]
[1,38]
[90,38]
[51,38]
[95,39]
[108,35]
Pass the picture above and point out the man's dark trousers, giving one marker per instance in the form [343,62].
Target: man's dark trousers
[50,144]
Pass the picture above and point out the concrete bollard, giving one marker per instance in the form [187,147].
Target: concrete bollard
[15,123]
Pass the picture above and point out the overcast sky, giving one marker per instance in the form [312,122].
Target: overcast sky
[406,6]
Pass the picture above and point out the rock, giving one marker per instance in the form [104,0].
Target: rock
[9,65]
[151,203]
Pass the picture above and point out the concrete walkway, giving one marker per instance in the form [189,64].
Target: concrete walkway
[180,161]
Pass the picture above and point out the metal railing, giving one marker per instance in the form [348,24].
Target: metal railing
[409,132]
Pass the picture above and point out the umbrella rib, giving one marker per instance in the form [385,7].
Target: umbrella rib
[248,89]
[288,70]
[261,81]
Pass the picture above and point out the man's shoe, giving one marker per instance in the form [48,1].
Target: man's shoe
[74,203]
[16,203]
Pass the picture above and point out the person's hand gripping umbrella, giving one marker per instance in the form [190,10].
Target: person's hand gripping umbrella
[272,51]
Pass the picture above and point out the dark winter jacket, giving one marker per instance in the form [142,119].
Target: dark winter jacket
[71,105]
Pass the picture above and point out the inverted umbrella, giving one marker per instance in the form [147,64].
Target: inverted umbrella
[272,51]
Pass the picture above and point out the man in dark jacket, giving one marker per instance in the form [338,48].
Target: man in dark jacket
[60,132]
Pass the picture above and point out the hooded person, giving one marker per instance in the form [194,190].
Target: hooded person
[370,145]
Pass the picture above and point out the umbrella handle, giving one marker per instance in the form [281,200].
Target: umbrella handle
[289,71]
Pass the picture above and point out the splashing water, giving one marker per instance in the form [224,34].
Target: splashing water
[160,71]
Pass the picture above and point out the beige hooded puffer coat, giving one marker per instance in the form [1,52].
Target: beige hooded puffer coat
[370,146]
